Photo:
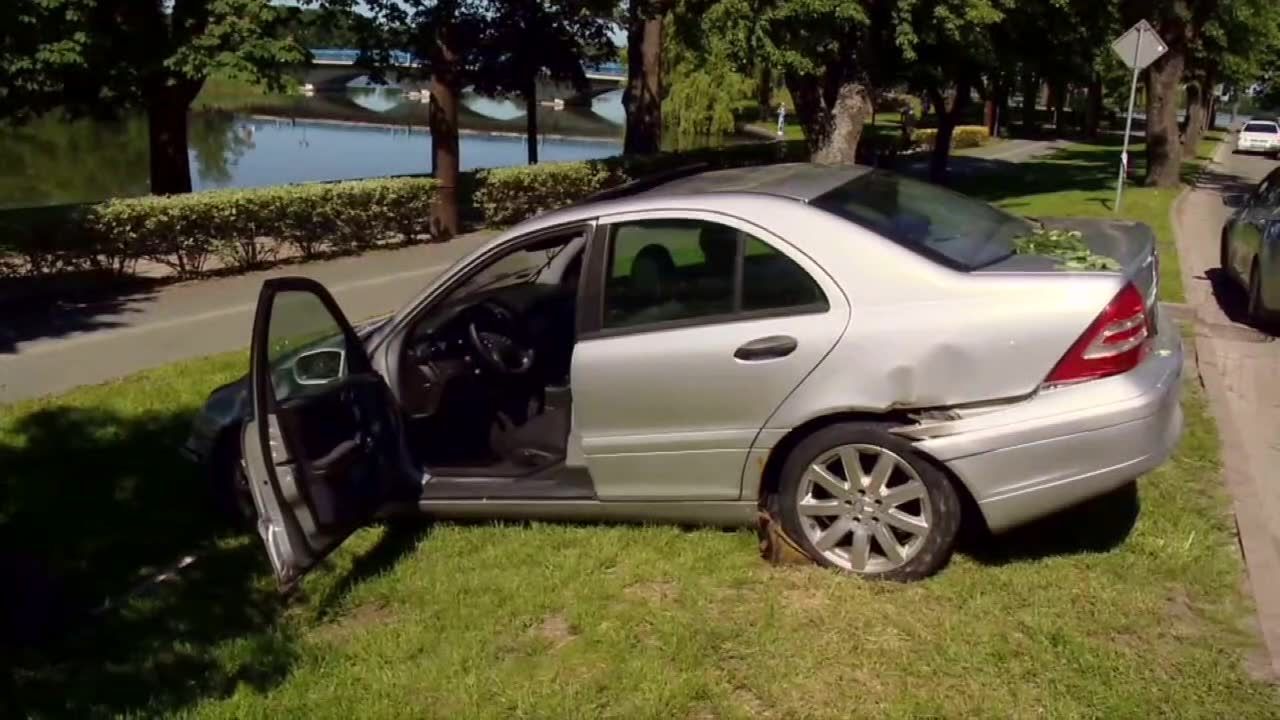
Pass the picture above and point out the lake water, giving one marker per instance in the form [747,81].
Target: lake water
[364,132]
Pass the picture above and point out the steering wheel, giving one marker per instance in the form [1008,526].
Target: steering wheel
[492,331]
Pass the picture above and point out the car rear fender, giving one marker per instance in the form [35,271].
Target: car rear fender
[991,337]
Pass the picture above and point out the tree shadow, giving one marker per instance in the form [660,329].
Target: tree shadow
[1097,525]
[1086,169]
[68,304]
[123,594]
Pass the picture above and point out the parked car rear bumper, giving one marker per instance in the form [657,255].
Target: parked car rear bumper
[1062,446]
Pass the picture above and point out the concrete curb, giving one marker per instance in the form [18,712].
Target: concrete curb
[1261,556]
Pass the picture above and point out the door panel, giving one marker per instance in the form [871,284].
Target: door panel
[697,346]
[671,414]
[324,451]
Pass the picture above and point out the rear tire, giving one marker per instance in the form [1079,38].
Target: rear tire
[857,498]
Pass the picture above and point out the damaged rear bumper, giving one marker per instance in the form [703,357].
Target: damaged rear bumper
[1030,458]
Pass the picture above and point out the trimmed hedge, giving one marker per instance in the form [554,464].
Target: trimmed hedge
[254,227]
[241,228]
[506,196]
[964,136]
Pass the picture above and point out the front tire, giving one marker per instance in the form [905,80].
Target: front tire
[233,501]
[1258,315]
[855,497]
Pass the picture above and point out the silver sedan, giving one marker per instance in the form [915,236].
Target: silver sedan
[850,359]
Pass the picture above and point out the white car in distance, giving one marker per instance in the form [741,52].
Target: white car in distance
[1259,136]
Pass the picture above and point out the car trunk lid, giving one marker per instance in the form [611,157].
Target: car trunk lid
[1131,244]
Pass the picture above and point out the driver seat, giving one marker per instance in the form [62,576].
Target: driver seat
[541,439]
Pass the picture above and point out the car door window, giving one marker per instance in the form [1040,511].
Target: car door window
[306,349]
[773,281]
[665,271]
[1263,190]
[1269,196]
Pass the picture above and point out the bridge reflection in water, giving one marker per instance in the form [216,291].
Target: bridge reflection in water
[364,102]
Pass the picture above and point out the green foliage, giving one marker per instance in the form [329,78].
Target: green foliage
[1065,246]
[241,228]
[964,136]
[704,89]
[508,195]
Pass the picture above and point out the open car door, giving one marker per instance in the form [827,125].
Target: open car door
[323,450]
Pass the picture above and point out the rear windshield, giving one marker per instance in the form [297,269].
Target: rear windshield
[1261,127]
[948,227]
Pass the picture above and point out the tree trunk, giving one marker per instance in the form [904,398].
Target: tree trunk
[1057,99]
[1193,125]
[642,97]
[764,91]
[443,118]
[831,130]
[170,162]
[1164,152]
[948,114]
[531,116]
[1093,105]
[1029,90]
[1200,109]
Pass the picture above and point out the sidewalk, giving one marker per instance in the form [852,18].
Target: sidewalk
[1239,368]
[78,344]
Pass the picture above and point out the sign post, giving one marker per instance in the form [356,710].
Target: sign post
[1138,48]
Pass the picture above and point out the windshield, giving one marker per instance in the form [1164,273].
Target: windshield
[1261,127]
[946,226]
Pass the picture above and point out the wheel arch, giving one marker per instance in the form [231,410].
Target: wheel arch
[771,475]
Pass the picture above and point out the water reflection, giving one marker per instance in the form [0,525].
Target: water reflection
[54,160]
[376,99]
[364,131]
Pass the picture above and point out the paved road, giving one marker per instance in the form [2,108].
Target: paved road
[78,344]
[1239,367]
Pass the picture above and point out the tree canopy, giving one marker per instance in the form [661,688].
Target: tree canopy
[104,56]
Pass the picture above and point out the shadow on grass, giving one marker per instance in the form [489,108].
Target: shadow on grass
[123,594]
[1096,526]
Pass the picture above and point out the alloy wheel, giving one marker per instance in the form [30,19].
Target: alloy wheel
[864,508]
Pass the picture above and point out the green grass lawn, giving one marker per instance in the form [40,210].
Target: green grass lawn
[1087,614]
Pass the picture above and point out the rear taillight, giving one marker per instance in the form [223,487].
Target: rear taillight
[1114,343]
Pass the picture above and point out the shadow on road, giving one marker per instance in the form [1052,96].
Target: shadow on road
[1096,526]
[55,312]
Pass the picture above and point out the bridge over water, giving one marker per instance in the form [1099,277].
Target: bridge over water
[334,68]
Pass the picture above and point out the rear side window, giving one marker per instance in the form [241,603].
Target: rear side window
[1261,127]
[668,271]
[955,230]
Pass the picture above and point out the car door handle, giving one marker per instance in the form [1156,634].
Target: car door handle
[766,348]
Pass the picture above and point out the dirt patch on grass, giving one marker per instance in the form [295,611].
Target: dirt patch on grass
[744,698]
[555,630]
[660,591]
[354,624]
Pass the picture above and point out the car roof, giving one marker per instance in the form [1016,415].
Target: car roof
[761,184]
[798,181]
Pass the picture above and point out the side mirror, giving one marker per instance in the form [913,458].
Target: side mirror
[1235,200]
[319,367]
